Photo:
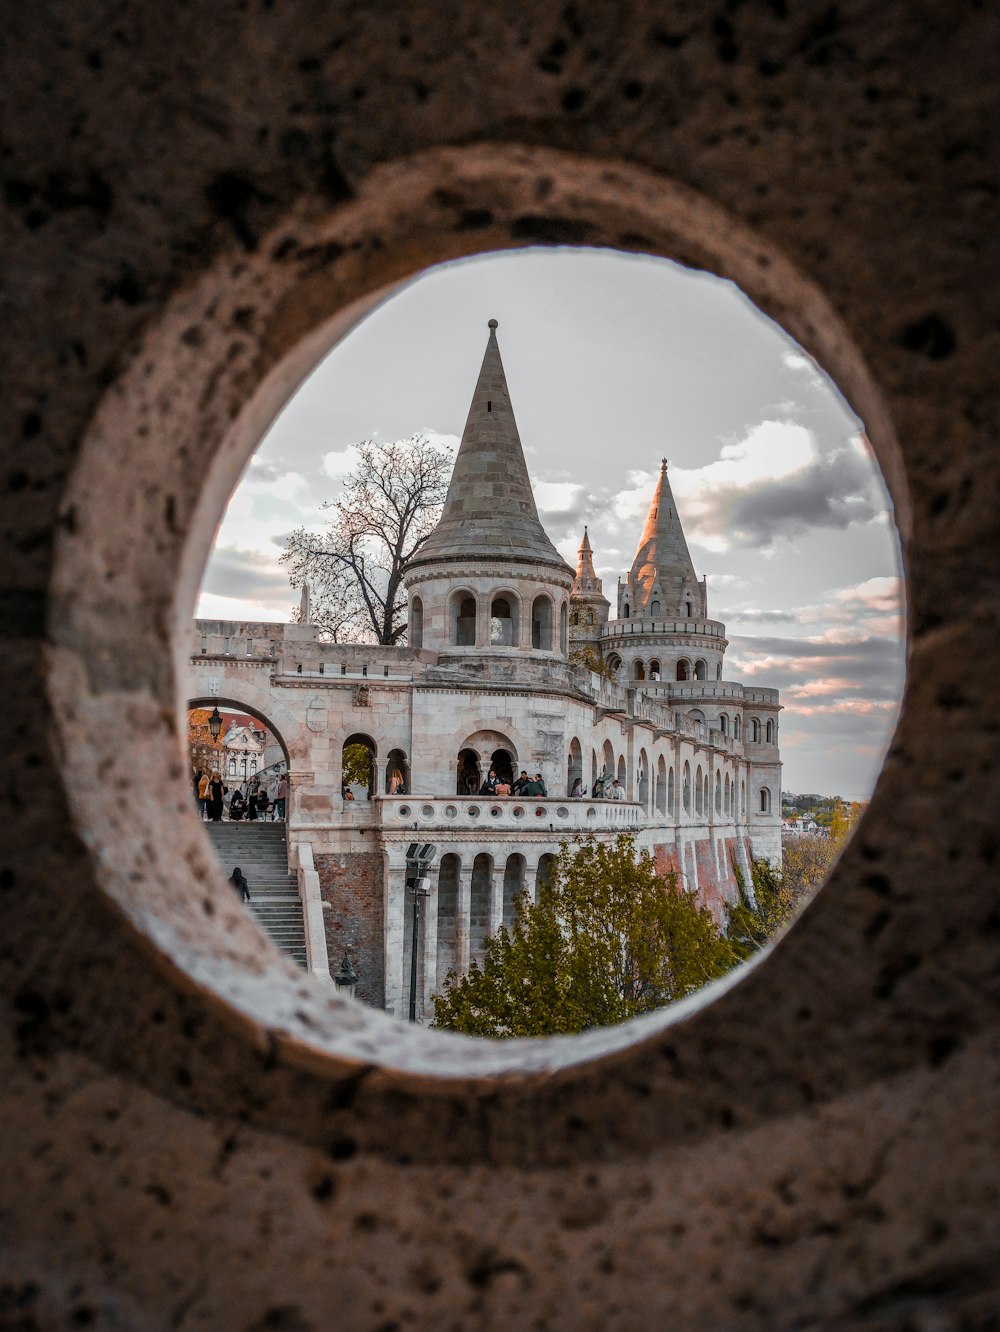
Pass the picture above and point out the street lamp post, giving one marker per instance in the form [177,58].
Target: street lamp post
[346,978]
[418,861]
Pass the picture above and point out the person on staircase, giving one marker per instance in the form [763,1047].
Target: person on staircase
[216,791]
[252,793]
[280,796]
[239,881]
[203,783]
[237,806]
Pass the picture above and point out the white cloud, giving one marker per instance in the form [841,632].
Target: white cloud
[556,496]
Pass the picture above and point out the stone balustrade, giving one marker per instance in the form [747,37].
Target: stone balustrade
[506,813]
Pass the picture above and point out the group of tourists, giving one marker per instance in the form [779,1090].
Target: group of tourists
[254,800]
[605,788]
[522,786]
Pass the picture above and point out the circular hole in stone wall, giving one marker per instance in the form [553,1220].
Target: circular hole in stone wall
[739,457]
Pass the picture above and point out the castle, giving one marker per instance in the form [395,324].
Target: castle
[497,674]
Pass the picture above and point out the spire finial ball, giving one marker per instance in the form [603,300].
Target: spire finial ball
[493,324]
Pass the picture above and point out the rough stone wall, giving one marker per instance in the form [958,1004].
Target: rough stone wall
[199,201]
[354,922]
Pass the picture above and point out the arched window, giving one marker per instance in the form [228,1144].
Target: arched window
[723,723]
[743,799]
[718,671]
[687,608]
[699,670]
[770,732]
[765,800]
[699,792]
[416,633]
[754,730]
[718,793]
[660,793]
[729,796]
[708,793]
[563,629]
[670,791]
[638,671]
[642,777]
[625,611]
[608,761]
[574,766]
[590,618]
[467,777]
[463,610]
[654,669]
[541,624]
[253,767]
[503,622]
[357,766]
[737,727]
[243,766]
[683,669]
[397,773]
[654,609]
[232,767]
[686,788]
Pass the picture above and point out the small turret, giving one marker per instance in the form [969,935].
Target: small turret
[589,607]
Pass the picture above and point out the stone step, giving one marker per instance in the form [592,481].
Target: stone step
[260,850]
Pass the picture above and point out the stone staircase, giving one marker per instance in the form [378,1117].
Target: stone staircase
[261,852]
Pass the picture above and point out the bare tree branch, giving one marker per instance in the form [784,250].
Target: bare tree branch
[388,507]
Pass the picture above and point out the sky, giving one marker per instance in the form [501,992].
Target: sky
[614,362]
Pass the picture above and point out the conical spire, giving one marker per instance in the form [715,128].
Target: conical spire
[662,570]
[490,510]
[586,575]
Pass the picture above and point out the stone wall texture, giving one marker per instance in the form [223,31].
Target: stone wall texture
[199,200]
[354,891]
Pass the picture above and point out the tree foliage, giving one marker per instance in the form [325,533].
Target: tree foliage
[609,938]
[760,914]
[386,509]
[359,765]
[589,656]
[807,860]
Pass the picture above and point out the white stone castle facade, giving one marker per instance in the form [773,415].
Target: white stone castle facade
[488,680]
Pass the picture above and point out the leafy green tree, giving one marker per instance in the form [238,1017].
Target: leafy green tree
[609,938]
[358,765]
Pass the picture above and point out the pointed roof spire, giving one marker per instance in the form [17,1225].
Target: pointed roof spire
[586,575]
[662,558]
[490,509]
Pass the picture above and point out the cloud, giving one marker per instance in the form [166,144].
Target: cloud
[800,363]
[770,485]
[239,573]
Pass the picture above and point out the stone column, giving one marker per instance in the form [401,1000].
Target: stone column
[483,608]
[497,883]
[299,783]
[394,918]
[462,911]
[429,911]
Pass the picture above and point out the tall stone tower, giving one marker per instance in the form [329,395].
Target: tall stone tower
[662,580]
[488,583]
[589,607]
[663,631]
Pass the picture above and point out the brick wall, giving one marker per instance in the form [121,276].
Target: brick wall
[716,883]
[354,920]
